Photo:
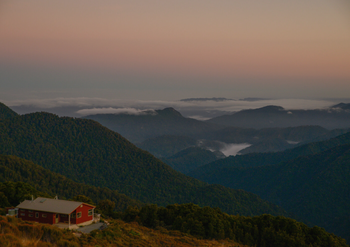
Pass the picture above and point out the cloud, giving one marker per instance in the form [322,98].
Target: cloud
[198,117]
[228,105]
[201,110]
[234,148]
[110,110]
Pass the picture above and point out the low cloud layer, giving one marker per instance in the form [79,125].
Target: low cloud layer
[110,110]
[200,110]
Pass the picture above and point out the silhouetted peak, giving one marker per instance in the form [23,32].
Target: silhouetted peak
[267,109]
[169,111]
[343,106]
[6,112]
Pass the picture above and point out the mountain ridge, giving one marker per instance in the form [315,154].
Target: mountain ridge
[277,116]
[165,122]
[86,152]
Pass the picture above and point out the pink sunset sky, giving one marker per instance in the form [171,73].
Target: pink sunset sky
[175,49]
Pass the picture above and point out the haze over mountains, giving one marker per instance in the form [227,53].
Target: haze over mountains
[265,129]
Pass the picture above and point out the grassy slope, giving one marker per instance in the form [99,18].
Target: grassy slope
[25,234]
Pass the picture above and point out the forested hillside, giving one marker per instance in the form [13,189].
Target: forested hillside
[14,169]
[314,187]
[13,193]
[87,152]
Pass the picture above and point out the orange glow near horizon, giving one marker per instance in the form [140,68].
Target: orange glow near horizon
[212,59]
[225,38]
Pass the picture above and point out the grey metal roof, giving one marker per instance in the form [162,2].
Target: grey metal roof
[50,205]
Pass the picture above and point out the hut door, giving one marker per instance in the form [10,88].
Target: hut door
[56,220]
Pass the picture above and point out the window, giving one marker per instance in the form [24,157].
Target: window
[23,214]
[30,211]
[30,215]
[23,210]
[44,215]
[36,215]
[73,215]
[63,215]
[90,212]
[79,215]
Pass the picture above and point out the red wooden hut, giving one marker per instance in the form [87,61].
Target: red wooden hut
[54,211]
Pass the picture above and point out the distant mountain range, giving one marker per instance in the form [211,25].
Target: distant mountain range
[277,117]
[259,127]
[163,122]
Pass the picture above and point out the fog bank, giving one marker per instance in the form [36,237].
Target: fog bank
[234,148]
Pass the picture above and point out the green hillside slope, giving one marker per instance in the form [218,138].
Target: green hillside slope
[314,187]
[86,152]
[14,169]
[13,193]
[263,231]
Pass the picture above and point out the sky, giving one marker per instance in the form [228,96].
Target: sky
[174,49]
